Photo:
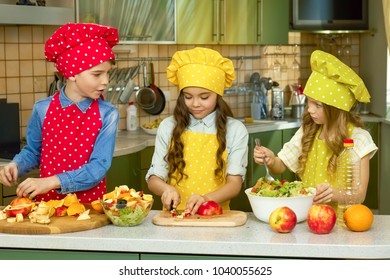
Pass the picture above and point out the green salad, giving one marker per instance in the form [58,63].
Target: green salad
[281,188]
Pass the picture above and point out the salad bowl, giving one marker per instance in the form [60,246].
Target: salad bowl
[265,198]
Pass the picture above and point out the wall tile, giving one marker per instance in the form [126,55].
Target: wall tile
[12,85]
[26,68]
[40,84]
[25,34]
[12,68]
[37,34]
[26,85]
[39,67]
[2,87]
[2,68]
[39,51]
[2,34]
[27,101]
[11,34]
[11,51]
[25,51]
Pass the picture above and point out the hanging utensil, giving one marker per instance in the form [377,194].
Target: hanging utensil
[111,82]
[114,88]
[130,87]
[121,86]
[145,97]
[267,176]
[160,98]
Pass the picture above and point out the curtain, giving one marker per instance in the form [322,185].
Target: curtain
[386,13]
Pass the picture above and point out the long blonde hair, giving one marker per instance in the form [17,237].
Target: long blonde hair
[175,157]
[335,130]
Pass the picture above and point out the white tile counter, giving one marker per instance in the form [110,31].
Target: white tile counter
[254,239]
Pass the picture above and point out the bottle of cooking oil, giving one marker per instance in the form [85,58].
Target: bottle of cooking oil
[348,179]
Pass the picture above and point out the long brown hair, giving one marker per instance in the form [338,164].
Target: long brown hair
[335,130]
[175,157]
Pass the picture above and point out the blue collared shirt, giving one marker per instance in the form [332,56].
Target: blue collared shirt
[236,144]
[89,174]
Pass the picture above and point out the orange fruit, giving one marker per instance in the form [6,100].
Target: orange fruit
[75,208]
[358,217]
[70,198]
[55,203]
[97,205]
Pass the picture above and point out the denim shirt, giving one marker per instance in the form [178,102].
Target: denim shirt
[91,173]
[236,144]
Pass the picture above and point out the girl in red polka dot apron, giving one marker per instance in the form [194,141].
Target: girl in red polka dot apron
[68,138]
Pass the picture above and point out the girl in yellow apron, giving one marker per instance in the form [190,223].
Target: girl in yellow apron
[201,150]
[332,89]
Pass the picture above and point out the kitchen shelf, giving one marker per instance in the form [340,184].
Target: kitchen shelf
[35,15]
[169,58]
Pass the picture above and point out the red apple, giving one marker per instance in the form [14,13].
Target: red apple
[210,208]
[283,219]
[22,205]
[321,218]
[61,211]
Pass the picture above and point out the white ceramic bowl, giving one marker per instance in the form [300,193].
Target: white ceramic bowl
[262,206]
[152,131]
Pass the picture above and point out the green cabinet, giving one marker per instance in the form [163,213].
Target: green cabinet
[146,159]
[372,195]
[124,170]
[232,22]
[138,21]
[31,254]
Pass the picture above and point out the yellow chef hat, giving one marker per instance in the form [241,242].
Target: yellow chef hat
[201,67]
[334,83]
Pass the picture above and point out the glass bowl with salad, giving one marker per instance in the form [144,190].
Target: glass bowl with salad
[265,197]
[127,207]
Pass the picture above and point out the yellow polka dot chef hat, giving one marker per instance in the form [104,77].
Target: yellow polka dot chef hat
[201,67]
[334,83]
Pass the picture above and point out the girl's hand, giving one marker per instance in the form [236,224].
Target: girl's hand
[324,193]
[9,174]
[194,202]
[170,198]
[262,153]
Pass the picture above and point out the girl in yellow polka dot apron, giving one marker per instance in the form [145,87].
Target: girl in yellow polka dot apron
[332,89]
[190,164]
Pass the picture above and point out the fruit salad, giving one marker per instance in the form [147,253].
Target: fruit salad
[127,207]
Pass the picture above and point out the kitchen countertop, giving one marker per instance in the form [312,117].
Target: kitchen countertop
[254,239]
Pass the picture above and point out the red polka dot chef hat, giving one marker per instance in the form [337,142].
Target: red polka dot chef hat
[76,47]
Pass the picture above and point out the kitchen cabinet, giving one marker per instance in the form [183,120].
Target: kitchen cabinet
[124,170]
[273,140]
[137,20]
[146,159]
[384,151]
[54,13]
[372,195]
[232,22]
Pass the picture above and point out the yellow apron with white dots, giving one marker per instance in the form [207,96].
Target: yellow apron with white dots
[317,162]
[200,157]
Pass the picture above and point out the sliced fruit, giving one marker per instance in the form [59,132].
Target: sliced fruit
[97,206]
[70,198]
[75,209]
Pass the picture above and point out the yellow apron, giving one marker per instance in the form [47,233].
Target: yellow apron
[200,157]
[317,162]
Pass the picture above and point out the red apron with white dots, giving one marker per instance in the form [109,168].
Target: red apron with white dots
[68,139]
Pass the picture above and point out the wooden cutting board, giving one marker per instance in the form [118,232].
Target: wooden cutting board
[56,225]
[229,218]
